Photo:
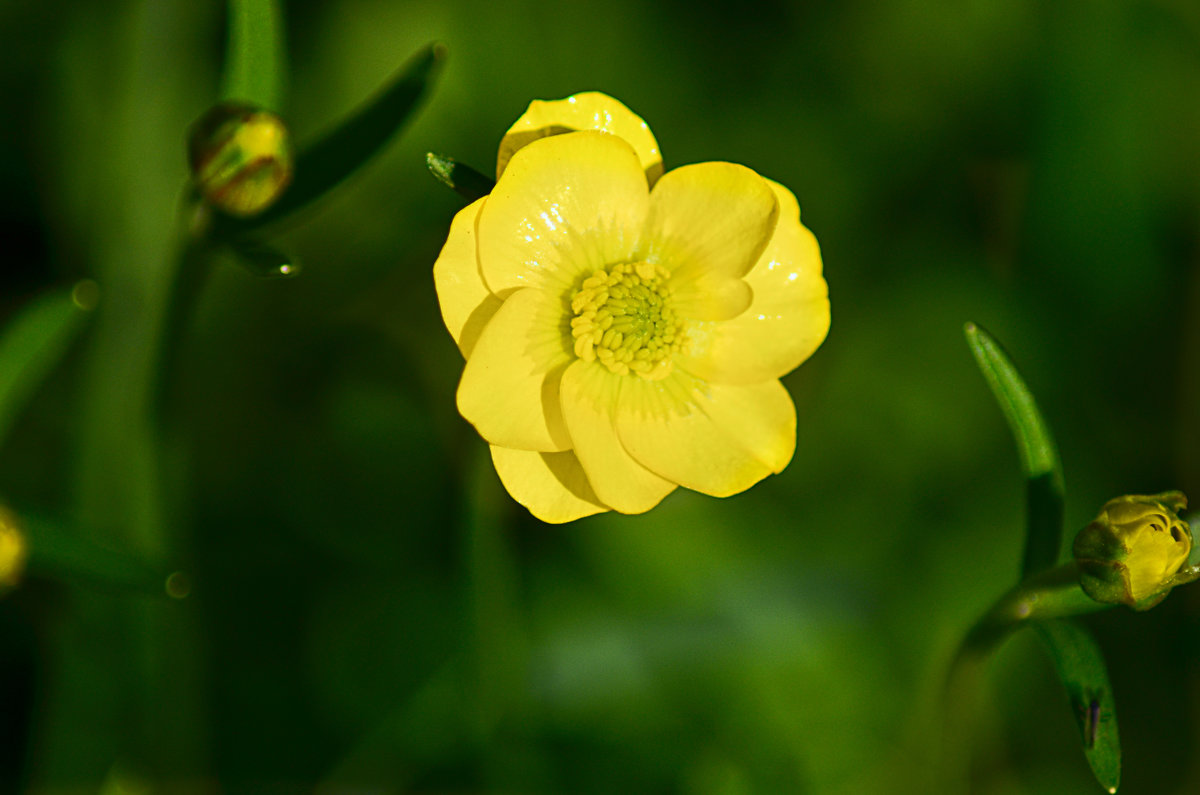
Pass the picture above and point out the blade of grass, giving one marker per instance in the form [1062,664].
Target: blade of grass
[71,555]
[462,179]
[1081,668]
[34,342]
[264,261]
[254,57]
[322,165]
[1035,444]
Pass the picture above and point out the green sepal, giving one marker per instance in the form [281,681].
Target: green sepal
[322,165]
[464,180]
[1081,668]
[35,341]
[255,54]
[1035,444]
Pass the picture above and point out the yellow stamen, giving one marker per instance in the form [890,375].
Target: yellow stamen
[623,318]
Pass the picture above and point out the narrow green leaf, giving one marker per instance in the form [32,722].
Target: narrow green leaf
[320,166]
[464,180]
[263,260]
[1081,668]
[254,58]
[34,342]
[70,555]
[1039,457]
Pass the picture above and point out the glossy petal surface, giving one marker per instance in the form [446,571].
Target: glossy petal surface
[623,340]
[553,486]
[565,206]
[467,304]
[708,223]
[715,440]
[589,398]
[761,417]
[787,319]
[509,388]
[589,110]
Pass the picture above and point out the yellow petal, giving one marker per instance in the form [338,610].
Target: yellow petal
[566,206]
[590,110]
[509,388]
[719,440]
[589,398]
[761,417]
[552,486]
[466,303]
[787,320]
[708,223]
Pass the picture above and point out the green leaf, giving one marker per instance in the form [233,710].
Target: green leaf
[72,556]
[254,58]
[464,180]
[264,261]
[1039,457]
[1081,668]
[34,342]
[321,166]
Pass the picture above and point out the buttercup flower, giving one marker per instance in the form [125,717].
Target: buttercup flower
[13,551]
[1133,549]
[625,330]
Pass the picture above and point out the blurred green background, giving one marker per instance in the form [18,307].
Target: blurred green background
[371,613]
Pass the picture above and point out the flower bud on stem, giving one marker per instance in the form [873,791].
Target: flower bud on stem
[241,158]
[1132,553]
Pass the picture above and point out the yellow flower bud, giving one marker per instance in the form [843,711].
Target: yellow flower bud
[13,551]
[241,158]
[1133,549]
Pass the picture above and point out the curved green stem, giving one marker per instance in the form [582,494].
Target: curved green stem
[1050,594]
[1054,593]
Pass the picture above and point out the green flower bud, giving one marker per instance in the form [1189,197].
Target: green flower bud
[1131,552]
[241,158]
[13,551]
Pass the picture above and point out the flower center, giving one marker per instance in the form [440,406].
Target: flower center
[623,317]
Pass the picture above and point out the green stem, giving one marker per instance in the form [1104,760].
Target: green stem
[499,634]
[1053,593]
[186,286]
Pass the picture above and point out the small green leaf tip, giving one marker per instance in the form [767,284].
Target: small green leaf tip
[1035,444]
[442,168]
[1081,668]
[70,554]
[1133,551]
[34,341]
[264,261]
[464,180]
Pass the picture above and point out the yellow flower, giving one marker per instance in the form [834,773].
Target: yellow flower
[625,332]
[1133,549]
[13,551]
